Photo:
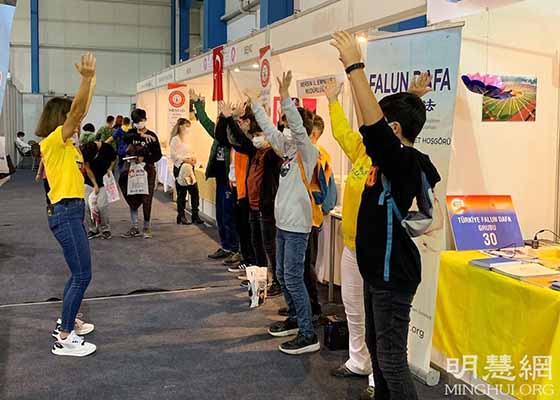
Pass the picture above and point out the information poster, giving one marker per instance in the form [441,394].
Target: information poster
[177,103]
[391,65]
[484,222]
[265,77]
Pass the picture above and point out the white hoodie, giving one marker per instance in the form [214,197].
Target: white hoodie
[293,206]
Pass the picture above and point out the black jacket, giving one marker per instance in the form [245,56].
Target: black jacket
[402,165]
[139,146]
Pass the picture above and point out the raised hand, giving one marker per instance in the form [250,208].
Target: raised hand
[284,84]
[421,84]
[348,48]
[193,95]
[226,109]
[332,90]
[238,109]
[253,96]
[86,67]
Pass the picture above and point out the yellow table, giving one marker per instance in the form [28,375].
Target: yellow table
[206,188]
[482,313]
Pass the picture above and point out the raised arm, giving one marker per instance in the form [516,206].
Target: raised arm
[203,118]
[79,107]
[276,138]
[349,140]
[241,143]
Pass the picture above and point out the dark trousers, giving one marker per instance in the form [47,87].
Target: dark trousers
[182,191]
[241,213]
[263,237]
[137,200]
[225,204]
[387,321]
[310,274]
[67,225]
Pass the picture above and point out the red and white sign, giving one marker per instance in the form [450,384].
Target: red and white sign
[265,76]
[218,63]
[177,103]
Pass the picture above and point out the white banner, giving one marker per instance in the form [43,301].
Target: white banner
[6,18]
[391,65]
[265,77]
[177,104]
[3,160]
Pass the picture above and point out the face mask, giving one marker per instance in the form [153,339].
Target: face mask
[259,142]
[141,125]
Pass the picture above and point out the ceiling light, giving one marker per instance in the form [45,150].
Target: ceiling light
[255,65]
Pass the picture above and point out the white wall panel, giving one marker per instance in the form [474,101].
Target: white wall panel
[97,114]
[242,26]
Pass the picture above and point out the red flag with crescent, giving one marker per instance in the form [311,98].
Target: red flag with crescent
[218,61]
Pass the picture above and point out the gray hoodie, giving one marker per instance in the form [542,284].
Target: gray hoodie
[292,206]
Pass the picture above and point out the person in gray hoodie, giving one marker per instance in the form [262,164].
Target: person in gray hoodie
[293,216]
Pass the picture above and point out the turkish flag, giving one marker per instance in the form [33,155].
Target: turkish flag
[218,62]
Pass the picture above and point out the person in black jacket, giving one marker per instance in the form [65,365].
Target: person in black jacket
[144,145]
[262,185]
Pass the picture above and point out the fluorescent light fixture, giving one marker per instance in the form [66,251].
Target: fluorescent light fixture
[236,69]
[255,65]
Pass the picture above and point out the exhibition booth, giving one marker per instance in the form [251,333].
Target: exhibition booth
[490,330]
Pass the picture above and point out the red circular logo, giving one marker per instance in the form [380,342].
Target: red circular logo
[265,73]
[177,99]
[233,55]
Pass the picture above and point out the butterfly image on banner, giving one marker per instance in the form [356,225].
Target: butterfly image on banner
[486,85]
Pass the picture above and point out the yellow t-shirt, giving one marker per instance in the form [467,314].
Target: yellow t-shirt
[352,145]
[62,165]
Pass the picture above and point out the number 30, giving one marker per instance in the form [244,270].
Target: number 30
[490,239]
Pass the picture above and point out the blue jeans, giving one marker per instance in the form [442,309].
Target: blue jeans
[387,322]
[225,203]
[290,259]
[67,225]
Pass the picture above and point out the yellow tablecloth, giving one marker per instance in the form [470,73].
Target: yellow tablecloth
[482,313]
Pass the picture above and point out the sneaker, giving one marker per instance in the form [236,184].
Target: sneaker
[80,327]
[275,290]
[368,394]
[107,235]
[132,233]
[284,328]
[220,253]
[301,345]
[183,221]
[242,277]
[234,258]
[344,372]
[244,284]
[148,233]
[283,311]
[241,267]
[73,345]
[93,235]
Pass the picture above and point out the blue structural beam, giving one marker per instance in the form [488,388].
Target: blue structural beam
[215,30]
[173,31]
[184,29]
[413,23]
[275,10]
[35,46]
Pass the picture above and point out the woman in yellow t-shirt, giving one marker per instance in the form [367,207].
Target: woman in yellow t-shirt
[62,161]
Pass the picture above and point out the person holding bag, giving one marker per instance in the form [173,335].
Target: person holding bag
[184,162]
[63,164]
[143,147]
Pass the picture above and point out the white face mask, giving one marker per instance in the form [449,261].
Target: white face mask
[259,142]
[141,125]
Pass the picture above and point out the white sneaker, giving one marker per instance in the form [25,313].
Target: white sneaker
[73,345]
[82,328]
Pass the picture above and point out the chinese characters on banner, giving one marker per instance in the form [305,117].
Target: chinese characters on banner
[177,103]
[265,77]
[218,63]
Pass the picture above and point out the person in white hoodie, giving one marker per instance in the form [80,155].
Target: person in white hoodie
[293,216]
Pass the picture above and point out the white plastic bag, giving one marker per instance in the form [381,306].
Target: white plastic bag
[137,179]
[111,188]
[94,210]
[258,284]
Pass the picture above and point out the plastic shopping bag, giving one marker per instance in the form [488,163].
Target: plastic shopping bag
[111,188]
[258,283]
[92,202]
[137,179]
